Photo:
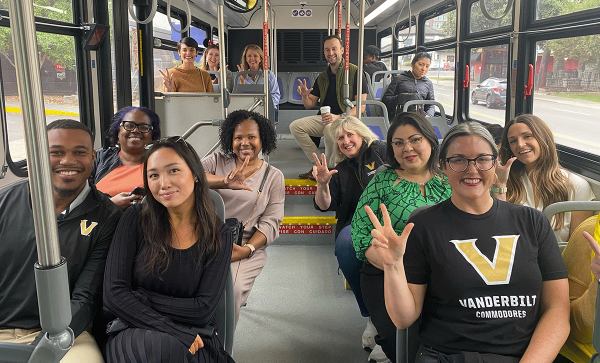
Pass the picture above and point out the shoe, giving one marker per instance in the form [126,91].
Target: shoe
[378,356]
[368,337]
[308,175]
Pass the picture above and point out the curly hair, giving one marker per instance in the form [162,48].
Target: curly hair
[268,136]
[113,131]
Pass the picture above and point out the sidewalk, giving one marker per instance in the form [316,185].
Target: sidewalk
[566,101]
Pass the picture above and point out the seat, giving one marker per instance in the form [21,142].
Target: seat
[439,123]
[378,124]
[561,207]
[216,87]
[255,88]
[379,85]
[283,81]
[295,77]
[225,314]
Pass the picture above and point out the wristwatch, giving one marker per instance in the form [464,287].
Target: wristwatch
[252,249]
[497,190]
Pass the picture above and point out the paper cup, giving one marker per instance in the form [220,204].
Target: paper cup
[325,109]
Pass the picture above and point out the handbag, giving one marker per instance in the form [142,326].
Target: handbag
[237,227]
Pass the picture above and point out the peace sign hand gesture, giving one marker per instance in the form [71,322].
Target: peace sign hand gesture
[595,265]
[236,178]
[320,171]
[242,77]
[168,81]
[302,89]
[386,242]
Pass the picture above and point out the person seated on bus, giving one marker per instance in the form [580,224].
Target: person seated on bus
[252,60]
[484,276]
[168,264]
[86,221]
[583,287]
[187,77]
[412,180]
[211,62]
[371,62]
[410,86]
[496,131]
[117,170]
[360,155]
[328,90]
[258,201]
[536,178]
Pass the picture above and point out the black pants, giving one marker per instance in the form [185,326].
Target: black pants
[430,355]
[371,284]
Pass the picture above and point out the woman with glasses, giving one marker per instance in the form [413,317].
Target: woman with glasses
[117,171]
[253,192]
[359,155]
[485,277]
[168,265]
[412,180]
[187,77]
[536,178]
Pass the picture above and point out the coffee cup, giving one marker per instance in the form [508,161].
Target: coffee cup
[325,109]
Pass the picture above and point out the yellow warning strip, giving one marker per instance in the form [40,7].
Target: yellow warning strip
[309,220]
[300,183]
[48,112]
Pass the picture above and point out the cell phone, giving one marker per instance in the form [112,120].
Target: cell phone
[138,191]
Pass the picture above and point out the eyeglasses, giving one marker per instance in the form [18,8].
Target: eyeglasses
[167,140]
[460,164]
[414,142]
[130,126]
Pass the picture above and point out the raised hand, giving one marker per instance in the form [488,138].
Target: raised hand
[502,172]
[168,81]
[320,172]
[595,265]
[302,89]
[197,344]
[242,76]
[236,178]
[387,243]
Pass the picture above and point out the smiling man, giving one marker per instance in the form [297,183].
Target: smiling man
[329,90]
[86,222]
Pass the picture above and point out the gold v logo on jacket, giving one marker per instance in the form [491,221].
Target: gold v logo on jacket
[85,230]
[370,166]
[497,271]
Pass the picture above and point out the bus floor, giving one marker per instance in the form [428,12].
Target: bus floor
[299,310]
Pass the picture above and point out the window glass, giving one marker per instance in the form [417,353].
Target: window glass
[404,62]
[61,10]
[441,74]
[440,27]
[59,84]
[404,39]
[164,59]
[488,65]
[550,8]
[386,44]
[495,8]
[567,81]
[388,62]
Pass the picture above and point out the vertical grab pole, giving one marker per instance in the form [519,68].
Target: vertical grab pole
[266,56]
[51,273]
[361,44]
[223,53]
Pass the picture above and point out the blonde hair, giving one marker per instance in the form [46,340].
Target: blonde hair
[203,60]
[255,48]
[546,177]
[350,123]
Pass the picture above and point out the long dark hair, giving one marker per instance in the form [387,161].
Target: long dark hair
[421,53]
[420,123]
[156,254]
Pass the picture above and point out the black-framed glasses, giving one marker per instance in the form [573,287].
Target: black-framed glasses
[413,141]
[142,127]
[482,162]
[166,140]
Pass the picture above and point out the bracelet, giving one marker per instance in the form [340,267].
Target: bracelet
[497,190]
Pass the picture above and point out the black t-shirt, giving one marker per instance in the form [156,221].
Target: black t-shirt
[331,95]
[484,275]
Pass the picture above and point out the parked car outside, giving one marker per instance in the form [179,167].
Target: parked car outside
[492,91]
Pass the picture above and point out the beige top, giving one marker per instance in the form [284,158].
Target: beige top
[191,80]
[239,203]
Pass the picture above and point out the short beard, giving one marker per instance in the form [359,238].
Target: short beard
[65,193]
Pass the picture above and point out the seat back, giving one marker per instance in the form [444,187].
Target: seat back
[380,81]
[439,123]
[378,124]
[295,77]
[283,81]
[225,314]
[570,206]
[216,87]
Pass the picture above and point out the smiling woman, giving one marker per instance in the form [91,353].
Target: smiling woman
[187,77]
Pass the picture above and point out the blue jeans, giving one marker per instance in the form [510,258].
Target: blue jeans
[350,265]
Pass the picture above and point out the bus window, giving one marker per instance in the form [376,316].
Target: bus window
[495,7]
[441,73]
[489,72]
[59,84]
[164,59]
[567,80]
[550,8]
[440,27]
[386,44]
[403,38]
[404,61]
[387,61]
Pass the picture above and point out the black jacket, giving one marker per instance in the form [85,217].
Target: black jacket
[106,161]
[406,83]
[84,236]
[352,177]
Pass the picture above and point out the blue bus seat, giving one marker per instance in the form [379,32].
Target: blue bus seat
[439,123]
[295,77]
[283,80]
[380,81]
[378,124]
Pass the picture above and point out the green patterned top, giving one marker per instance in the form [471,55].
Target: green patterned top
[400,199]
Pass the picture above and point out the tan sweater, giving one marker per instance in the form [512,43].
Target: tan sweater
[191,80]
[582,293]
